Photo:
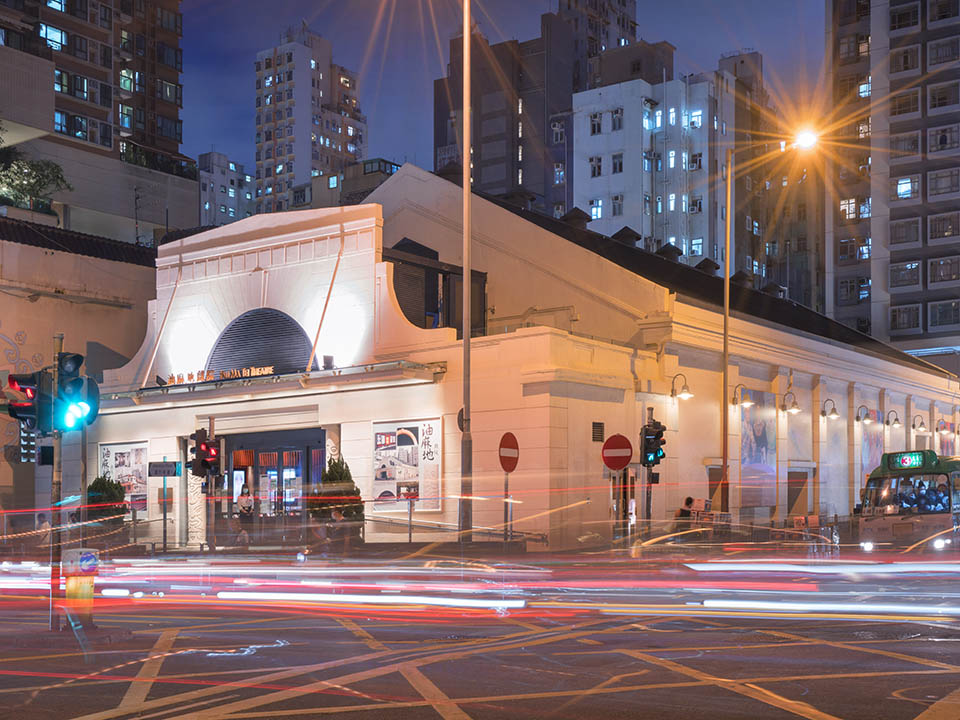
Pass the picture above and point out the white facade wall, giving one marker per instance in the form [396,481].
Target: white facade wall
[580,340]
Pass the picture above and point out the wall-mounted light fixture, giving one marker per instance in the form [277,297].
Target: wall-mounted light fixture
[684,393]
[921,427]
[793,408]
[865,417]
[832,414]
[743,399]
[942,427]
[896,419]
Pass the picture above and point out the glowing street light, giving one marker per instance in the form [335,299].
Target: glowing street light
[806,139]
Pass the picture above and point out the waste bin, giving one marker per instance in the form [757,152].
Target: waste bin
[80,567]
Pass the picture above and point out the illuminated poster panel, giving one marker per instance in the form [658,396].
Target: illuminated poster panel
[758,451]
[406,464]
[126,463]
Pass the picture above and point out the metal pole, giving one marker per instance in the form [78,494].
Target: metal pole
[506,505]
[466,439]
[164,509]
[55,494]
[83,481]
[724,410]
[409,520]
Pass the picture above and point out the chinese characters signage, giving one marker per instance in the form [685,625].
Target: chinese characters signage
[211,375]
[406,464]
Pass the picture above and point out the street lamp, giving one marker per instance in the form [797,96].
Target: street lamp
[896,419]
[744,399]
[805,140]
[465,520]
[684,393]
[832,414]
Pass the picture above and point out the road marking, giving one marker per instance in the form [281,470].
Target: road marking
[746,689]
[860,648]
[364,635]
[185,707]
[434,695]
[946,708]
[140,688]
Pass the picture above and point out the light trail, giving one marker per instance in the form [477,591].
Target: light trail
[371,599]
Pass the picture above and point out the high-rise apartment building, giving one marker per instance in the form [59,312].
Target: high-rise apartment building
[893,200]
[226,191]
[650,157]
[598,26]
[95,86]
[308,118]
[521,94]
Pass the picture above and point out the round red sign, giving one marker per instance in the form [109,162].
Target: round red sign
[617,452]
[509,452]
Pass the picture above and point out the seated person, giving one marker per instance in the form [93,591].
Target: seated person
[928,500]
[943,497]
[907,496]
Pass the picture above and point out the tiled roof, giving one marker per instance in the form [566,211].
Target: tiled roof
[54,238]
[706,288]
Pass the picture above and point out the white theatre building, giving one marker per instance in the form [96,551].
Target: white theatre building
[576,336]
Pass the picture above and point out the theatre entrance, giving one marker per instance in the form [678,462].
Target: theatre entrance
[278,469]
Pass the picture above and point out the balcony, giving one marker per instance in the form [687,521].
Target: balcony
[136,155]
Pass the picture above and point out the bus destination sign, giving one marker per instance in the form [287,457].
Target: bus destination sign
[906,460]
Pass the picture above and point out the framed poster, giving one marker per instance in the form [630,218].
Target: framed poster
[126,463]
[406,464]
[758,451]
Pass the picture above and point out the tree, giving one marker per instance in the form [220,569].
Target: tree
[106,498]
[336,490]
[24,181]
[27,181]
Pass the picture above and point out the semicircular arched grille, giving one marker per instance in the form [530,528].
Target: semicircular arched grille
[259,338]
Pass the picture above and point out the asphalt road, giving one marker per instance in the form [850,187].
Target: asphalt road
[159,659]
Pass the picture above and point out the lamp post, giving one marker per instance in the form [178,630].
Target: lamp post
[466,439]
[804,140]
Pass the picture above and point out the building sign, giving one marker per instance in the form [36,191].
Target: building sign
[406,464]
[211,375]
[126,463]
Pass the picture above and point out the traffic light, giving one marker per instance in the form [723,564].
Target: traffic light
[198,450]
[34,411]
[212,459]
[77,398]
[653,443]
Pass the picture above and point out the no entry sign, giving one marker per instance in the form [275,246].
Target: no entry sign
[509,452]
[617,452]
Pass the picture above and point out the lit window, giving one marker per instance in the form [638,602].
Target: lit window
[55,37]
[60,5]
[332,181]
[696,120]
[313,64]
[683,161]
[206,205]
[863,89]
[672,202]
[233,167]
[659,204]
[596,209]
[671,158]
[673,116]
[223,208]
[231,192]
[520,153]
[672,240]
[519,129]
[658,118]
[683,203]
[696,246]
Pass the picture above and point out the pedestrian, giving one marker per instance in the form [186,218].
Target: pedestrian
[681,518]
[245,506]
[43,525]
[339,532]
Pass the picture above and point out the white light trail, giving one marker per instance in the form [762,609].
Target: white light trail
[892,608]
[370,599]
[838,569]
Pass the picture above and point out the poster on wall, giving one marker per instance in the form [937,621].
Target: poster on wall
[126,463]
[406,464]
[871,442]
[758,451]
